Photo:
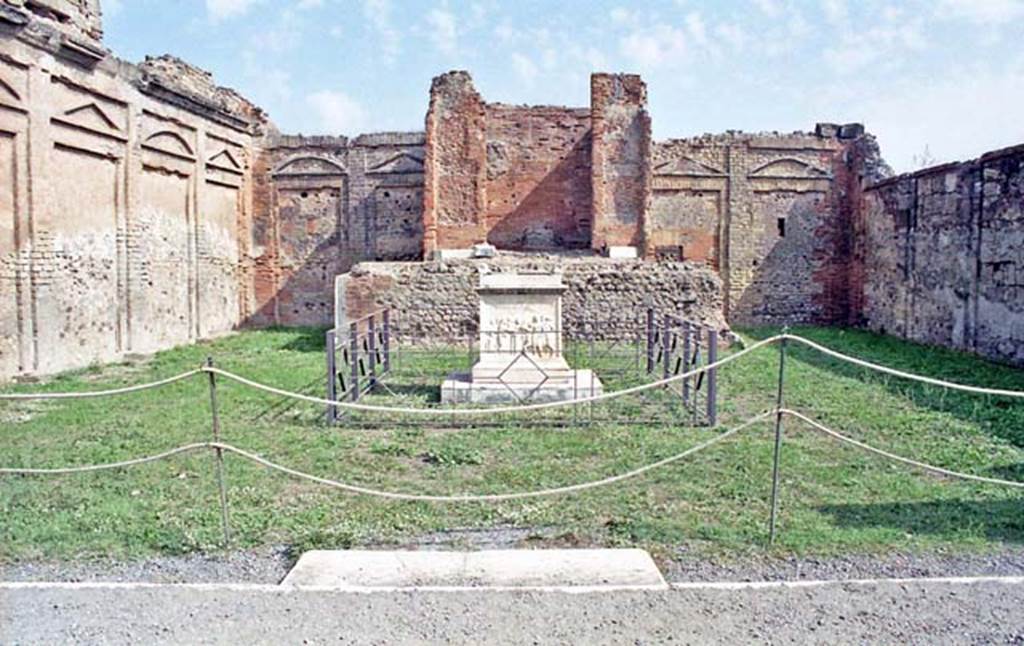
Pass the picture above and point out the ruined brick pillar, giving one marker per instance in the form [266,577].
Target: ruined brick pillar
[620,157]
[455,165]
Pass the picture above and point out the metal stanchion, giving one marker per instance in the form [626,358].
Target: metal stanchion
[219,453]
[687,363]
[332,376]
[712,378]
[371,349]
[650,340]
[778,440]
[353,357]
[387,340]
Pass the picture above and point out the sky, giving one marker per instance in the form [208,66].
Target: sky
[935,80]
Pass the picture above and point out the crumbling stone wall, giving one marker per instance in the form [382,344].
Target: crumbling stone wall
[438,300]
[77,22]
[944,255]
[768,211]
[328,203]
[124,196]
[620,156]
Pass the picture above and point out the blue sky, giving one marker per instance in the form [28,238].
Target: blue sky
[943,74]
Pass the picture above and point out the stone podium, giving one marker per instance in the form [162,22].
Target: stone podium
[520,346]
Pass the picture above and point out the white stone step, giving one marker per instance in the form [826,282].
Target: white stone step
[574,569]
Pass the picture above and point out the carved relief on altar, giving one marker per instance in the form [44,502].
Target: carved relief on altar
[535,335]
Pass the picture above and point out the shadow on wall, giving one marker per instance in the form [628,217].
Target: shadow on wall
[999,520]
[547,219]
[305,296]
[787,261]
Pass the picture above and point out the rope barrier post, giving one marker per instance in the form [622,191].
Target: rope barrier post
[353,357]
[215,418]
[778,438]
[650,340]
[332,377]
[712,378]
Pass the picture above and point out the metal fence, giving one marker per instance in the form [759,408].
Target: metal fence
[385,360]
[364,350]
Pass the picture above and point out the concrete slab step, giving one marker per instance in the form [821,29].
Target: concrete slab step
[581,569]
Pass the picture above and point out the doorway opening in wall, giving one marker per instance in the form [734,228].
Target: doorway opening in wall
[781,225]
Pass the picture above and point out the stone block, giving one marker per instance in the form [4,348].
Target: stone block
[622,252]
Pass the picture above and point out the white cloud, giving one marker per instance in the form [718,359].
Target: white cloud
[695,27]
[982,12]
[888,43]
[309,4]
[442,30]
[732,34]
[524,68]
[770,8]
[220,9]
[337,112]
[958,114]
[835,11]
[280,35]
[378,14]
[621,15]
[655,46]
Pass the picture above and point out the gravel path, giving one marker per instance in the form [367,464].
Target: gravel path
[916,612]
[270,565]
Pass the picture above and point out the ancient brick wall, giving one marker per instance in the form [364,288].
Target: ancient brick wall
[537,188]
[515,176]
[329,203]
[620,160]
[438,300]
[943,255]
[124,199]
[455,165]
[765,210]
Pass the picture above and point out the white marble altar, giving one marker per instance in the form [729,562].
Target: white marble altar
[521,345]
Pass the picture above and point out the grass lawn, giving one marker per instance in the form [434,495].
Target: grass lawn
[833,498]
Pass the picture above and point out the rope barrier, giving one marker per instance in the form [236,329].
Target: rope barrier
[393,495]
[491,410]
[110,465]
[892,456]
[524,407]
[100,393]
[904,375]
[501,496]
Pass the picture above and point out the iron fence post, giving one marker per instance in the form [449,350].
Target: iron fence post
[371,349]
[387,340]
[712,377]
[650,340]
[666,348]
[219,453]
[778,440]
[687,353]
[353,357]
[332,376]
